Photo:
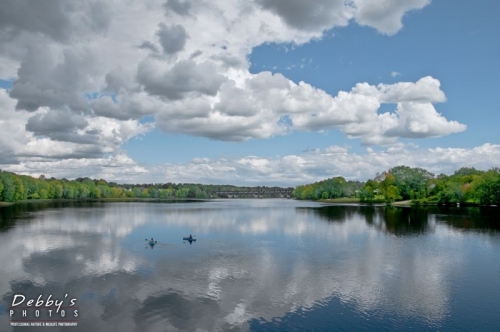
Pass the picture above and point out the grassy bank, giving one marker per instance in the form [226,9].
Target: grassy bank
[402,203]
[340,200]
[349,200]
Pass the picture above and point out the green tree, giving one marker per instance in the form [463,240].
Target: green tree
[366,194]
[137,192]
[44,189]
[117,192]
[182,192]
[82,192]
[68,191]
[154,193]
[104,190]
[58,189]
[31,188]
[392,194]
[335,187]
[488,191]
[451,194]
[408,179]
[13,187]
[95,192]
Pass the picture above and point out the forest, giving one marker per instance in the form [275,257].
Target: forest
[464,186]
[15,187]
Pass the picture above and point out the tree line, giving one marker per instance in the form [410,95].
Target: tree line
[331,188]
[15,187]
[466,185]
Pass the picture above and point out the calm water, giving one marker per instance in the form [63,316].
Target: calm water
[259,265]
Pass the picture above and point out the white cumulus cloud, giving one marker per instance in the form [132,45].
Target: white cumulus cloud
[288,170]
[86,73]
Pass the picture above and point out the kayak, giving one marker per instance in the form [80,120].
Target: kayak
[152,243]
[189,239]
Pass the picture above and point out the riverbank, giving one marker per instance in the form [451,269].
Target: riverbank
[123,199]
[406,203]
[349,200]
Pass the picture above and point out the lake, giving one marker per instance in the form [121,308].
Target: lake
[258,265]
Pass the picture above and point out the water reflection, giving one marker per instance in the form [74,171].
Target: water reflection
[403,221]
[480,219]
[255,260]
[388,219]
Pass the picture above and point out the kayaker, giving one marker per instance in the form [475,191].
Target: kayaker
[152,240]
[190,237]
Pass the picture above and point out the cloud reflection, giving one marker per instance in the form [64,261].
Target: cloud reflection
[255,259]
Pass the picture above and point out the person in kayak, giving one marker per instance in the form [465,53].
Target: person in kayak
[152,241]
[190,237]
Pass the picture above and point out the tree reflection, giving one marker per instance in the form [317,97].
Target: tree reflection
[369,213]
[482,219]
[395,220]
[332,214]
[408,221]
[25,210]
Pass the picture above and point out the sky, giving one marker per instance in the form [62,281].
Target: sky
[262,92]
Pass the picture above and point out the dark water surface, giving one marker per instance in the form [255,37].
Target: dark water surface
[259,265]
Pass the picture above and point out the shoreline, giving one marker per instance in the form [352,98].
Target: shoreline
[348,201]
[405,203]
[123,199]
[333,201]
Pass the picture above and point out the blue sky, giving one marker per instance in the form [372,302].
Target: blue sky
[189,105]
